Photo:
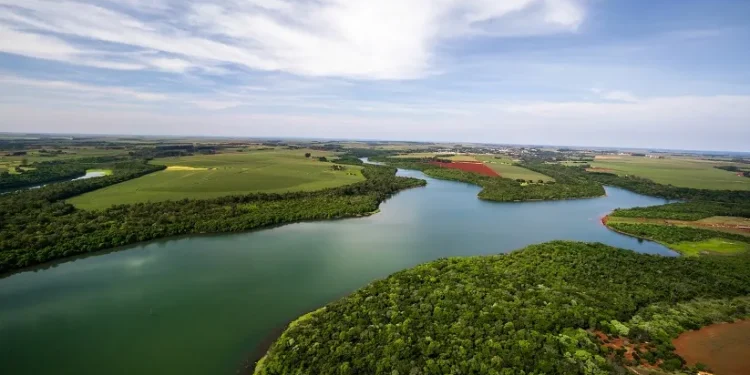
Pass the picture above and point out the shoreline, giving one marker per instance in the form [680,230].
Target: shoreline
[256,357]
[605,219]
[56,262]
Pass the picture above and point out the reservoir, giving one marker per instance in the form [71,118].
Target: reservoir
[200,305]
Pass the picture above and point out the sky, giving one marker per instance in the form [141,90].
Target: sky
[612,73]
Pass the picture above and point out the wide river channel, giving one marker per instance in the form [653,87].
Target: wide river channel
[200,305]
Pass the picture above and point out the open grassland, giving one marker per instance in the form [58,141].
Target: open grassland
[718,246]
[453,157]
[211,176]
[417,155]
[692,173]
[506,169]
[463,158]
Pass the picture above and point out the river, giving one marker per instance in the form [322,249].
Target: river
[200,305]
[89,174]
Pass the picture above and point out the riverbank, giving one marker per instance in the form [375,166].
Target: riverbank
[687,239]
[240,287]
[569,183]
[418,306]
[29,244]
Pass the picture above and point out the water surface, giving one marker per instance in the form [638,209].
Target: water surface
[200,305]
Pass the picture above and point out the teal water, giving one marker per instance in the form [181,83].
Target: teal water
[201,305]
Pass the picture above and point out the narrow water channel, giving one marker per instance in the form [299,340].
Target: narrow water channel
[200,305]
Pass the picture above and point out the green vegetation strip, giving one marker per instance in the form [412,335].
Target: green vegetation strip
[38,226]
[532,311]
[687,211]
[687,240]
[692,228]
[570,183]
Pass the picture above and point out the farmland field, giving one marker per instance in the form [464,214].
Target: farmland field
[693,173]
[506,169]
[211,176]
[713,246]
[468,166]
[723,347]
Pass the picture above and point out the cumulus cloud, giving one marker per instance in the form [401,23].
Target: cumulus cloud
[364,39]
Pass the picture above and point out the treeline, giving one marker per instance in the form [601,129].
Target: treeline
[692,211]
[56,170]
[528,312]
[733,168]
[40,173]
[648,187]
[673,234]
[570,183]
[660,323]
[39,226]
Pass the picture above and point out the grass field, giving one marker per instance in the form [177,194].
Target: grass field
[210,176]
[417,155]
[683,172]
[718,246]
[506,169]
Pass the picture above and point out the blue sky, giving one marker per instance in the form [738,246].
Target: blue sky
[630,73]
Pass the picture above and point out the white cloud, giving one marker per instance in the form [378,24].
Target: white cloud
[615,95]
[67,88]
[386,39]
[171,65]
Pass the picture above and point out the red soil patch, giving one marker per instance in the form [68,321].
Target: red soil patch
[725,347]
[468,166]
[615,343]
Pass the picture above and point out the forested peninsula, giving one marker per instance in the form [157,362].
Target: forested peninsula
[545,309]
[570,183]
[39,226]
[686,226]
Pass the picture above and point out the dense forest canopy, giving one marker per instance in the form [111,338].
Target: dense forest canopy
[648,187]
[695,210]
[671,234]
[40,173]
[529,312]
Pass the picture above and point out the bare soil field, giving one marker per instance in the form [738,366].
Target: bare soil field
[724,348]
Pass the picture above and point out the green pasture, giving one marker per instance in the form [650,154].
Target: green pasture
[684,172]
[211,176]
[506,169]
[717,246]
[463,158]
[417,155]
